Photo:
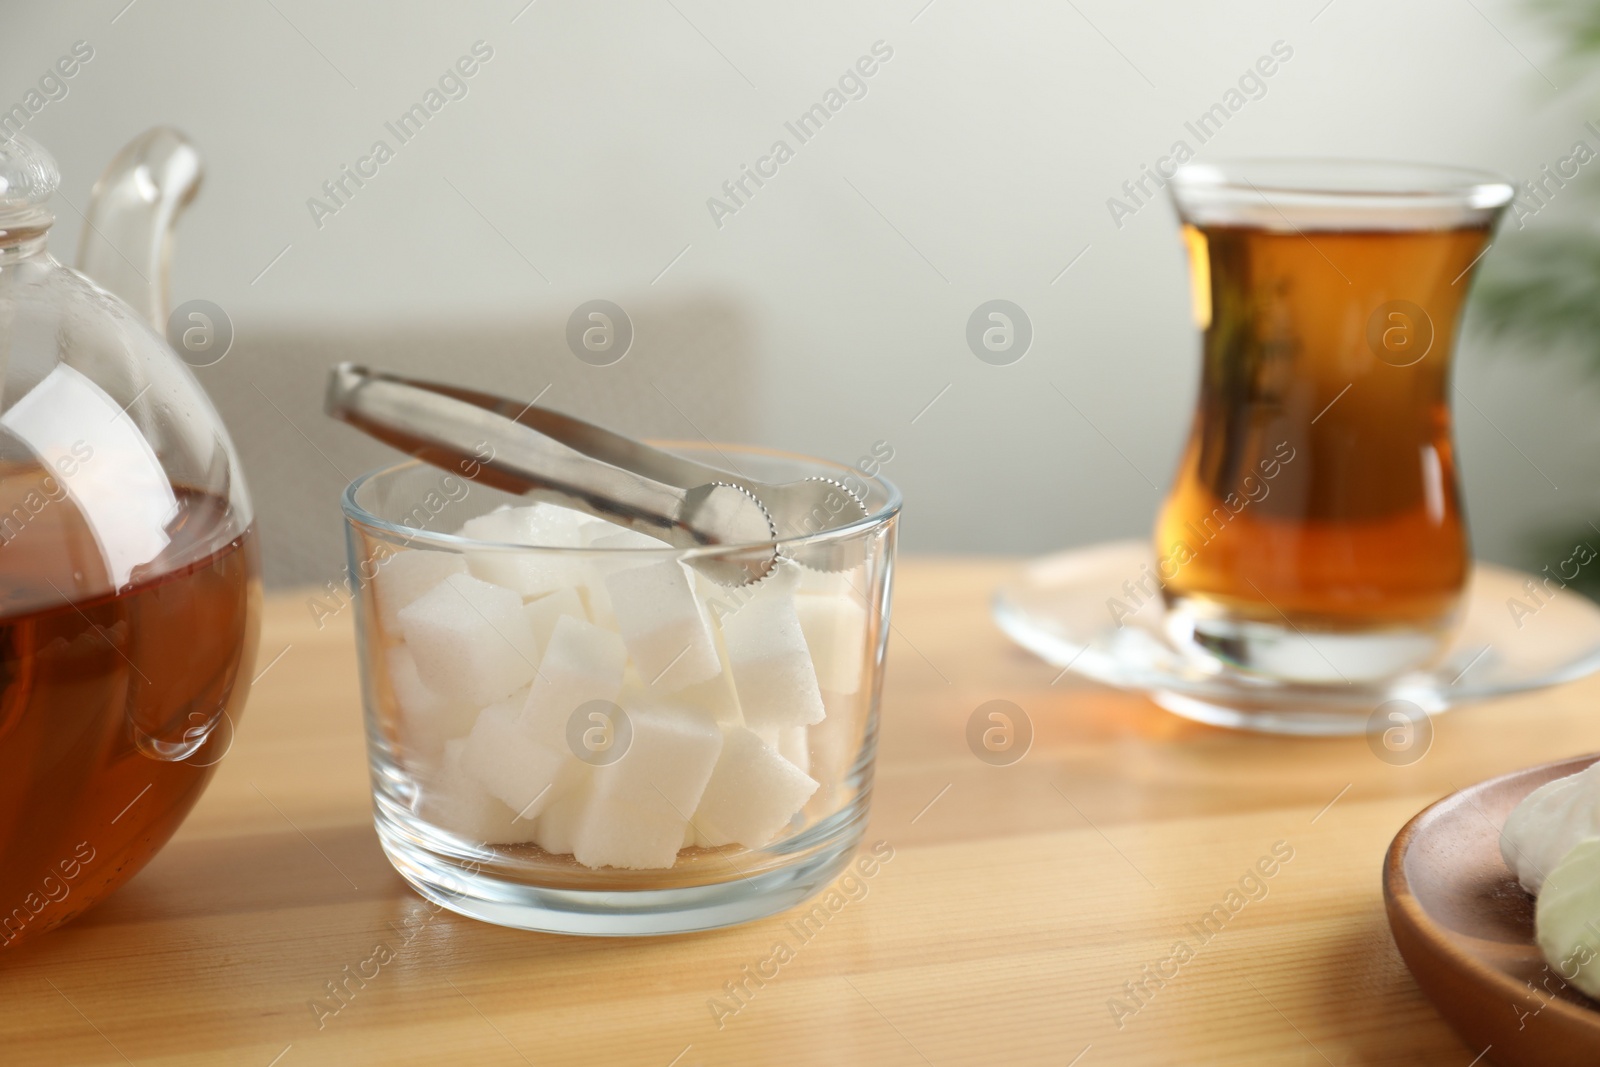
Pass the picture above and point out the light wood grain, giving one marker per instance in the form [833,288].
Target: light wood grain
[1016,906]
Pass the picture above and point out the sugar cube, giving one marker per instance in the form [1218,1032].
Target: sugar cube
[852,582]
[453,800]
[609,537]
[619,537]
[595,529]
[596,601]
[582,663]
[531,573]
[601,565]
[723,600]
[542,525]
[835,742]
[794,745]
[558,822]
[769,658]
[519,750]
[543,613]
[664,624]
[753,792]
[836,634]
[715,695]
[639,804]
[470,640]
[426,719]
[517,765]
[405,576]
[792,742]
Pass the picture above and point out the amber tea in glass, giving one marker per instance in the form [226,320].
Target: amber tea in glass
[1314,531]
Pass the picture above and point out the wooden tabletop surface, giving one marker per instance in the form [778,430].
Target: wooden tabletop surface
[1019,904]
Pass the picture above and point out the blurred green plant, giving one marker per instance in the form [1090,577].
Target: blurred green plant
[1576,24]
[1542,286]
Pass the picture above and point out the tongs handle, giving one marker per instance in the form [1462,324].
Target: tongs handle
[535,451]
[596,442]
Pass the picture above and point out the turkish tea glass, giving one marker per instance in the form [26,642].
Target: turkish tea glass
[1314,532]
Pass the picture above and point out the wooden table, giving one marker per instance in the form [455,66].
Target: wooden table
[1018,903]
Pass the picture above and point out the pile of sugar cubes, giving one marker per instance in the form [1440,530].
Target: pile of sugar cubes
[740,704]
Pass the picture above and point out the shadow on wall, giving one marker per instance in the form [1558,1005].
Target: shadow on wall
[688,372]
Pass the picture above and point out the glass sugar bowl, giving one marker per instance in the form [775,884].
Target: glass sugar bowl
[573,730]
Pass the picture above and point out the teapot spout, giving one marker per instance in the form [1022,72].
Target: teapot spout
[126,246]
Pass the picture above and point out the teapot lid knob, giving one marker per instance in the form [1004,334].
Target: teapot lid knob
[28,175]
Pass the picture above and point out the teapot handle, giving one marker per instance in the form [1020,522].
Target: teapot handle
[126,245]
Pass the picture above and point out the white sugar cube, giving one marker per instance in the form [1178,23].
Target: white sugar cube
[770,660]
[519,751]
[836,634]
[794,745]
[597,528]
[723,600]
[752,795]
[563,523]
[639,805]
[851,583]
[426,719]
[453,800]
[596,601]
[543,613]
[715,695]
[558,822]
[532,573]
[582,663]
[405,576]
[835,742]
[600,566]
[516,764]
[541,525]
[620,537]
[615,542]
[470,639]
[664,624]
[792,742]
[594,529]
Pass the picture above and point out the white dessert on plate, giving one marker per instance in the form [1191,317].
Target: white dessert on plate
[1548,822]
[1551,842]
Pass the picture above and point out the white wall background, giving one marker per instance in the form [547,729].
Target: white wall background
[977,166]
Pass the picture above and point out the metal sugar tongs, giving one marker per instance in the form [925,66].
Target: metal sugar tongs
[546,455]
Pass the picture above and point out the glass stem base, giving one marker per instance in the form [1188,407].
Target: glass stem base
[1301,652]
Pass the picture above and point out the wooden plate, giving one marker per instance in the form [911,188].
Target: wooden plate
[1465,928]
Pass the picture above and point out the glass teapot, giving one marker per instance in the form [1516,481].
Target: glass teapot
[129,577]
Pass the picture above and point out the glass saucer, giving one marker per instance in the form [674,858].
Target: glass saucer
[1061,608]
